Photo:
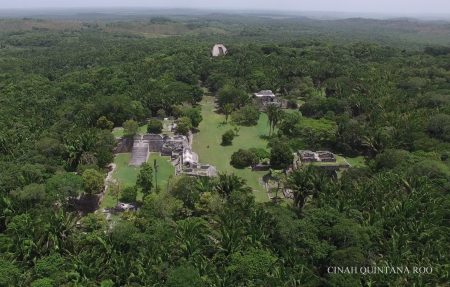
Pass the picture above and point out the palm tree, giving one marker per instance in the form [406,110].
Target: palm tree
[227,110]
[274,114]
[305,182]
[228,183]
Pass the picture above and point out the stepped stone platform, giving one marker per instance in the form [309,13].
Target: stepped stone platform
[140,153]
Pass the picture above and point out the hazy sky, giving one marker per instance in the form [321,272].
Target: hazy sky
[376,6]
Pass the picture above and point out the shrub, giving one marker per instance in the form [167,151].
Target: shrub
[243,158]
[161,113]
[104,123]
[184,125]
[130,128]
[227,137]
[92,181]
[195,115]
[246,116]
[154,126]
[260,153]
[129,194]
[281,156]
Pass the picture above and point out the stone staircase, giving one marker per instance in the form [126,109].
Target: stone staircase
[139,153]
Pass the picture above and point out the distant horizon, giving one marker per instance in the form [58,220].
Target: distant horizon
[145,9]
[416,8]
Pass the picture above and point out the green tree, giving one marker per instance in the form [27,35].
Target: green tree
[227,109]
[187,190]
[43,282]
[304,183]
[232,95]
[281,156]
[246,116]
[252,266]
[32,194]
[154,126]
[243,158]
[60,187]
[145,178]
[104,124]
[226,184]
[129,194]
[274,115]
[182,276]
[184,125]
[9,273]
[195,115]
[439,126]
[93,181]
[227,137]
[130,128]
[161,113]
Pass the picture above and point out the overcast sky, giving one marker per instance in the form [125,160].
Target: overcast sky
[370,6]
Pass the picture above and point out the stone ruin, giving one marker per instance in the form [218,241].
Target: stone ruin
[176,147]
[327,158]
[219,50]
[199,169]
[318,156]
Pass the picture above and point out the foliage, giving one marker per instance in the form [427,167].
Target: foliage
[227,137]
[184,276]
[281,156]
[246,116]
[154,126]
[184,125]
[244,158]
[260,153]
[227,109]
[145,178]
[234,96]
[374,89]
[92,181]
[130,128]
[187,190]
[194,114]
[439,126]
[60,187]
[104,123]
[274,115]
[129,194]
[9,273]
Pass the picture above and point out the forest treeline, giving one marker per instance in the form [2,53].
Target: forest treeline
[387,104]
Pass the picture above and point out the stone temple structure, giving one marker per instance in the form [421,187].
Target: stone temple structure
[176,147]
[219,50]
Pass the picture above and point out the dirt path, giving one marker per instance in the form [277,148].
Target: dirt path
[108,180]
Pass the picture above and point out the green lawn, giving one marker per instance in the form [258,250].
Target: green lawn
[166,171]
[126,175]
[358,161]
[118,132]
[207,145]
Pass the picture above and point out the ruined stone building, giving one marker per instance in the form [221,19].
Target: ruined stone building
[219,50]
[176,147]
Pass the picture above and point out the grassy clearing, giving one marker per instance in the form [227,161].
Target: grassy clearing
[118,132]
[126,175]
[166,171]
[358,161]
[207,145]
